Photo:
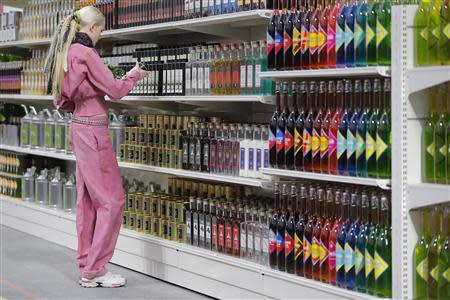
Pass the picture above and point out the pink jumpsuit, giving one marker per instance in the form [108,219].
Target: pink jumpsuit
[99,186]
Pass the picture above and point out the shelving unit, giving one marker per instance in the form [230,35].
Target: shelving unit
[25,43]
[381,183]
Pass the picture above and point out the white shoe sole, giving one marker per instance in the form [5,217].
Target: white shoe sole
[94,284]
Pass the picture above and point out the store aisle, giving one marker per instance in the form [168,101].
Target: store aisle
[32,268]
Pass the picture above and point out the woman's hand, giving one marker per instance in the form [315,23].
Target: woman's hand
[142,73]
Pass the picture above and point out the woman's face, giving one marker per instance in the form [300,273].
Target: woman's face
[96,31]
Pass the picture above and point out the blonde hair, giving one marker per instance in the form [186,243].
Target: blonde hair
[56,62]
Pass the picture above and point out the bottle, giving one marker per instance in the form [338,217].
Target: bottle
[343,128]
[440,140]
[271,29]
[360,34]
[266,83]
[290,238]
[434,251]
[281,128]
[383,33]
[434,33]
[361,163]
[322,37]
[361,240]
[371,29]
[421,258]
[288,40]
[333,133]
[329,220]
[273,227]
[279,42]
[383,139]
[308,129]
[340,37]
[306,22]
[250,70]
[281,230]
[326,125]
[273,129]
[316,242]
[340,245]
[299,232]
[369,253]
[257,66]
[350,243]
[383,253]
[313,36]
[444,258]
[352,142]
[444,41]
[331,38]
[289,135]
[421,33]
[332,244]
[317,127]
[308,234]
[349,33]
[371,134]
[297,40]
[299,127]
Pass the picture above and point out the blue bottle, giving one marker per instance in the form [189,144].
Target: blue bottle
[340,38]
[342,130]
[352,142]
[212,7]
[349,34]
[232,6]
[350,244]
[340,242]
[361,162]
[219,6]
[361,239]
[360,35]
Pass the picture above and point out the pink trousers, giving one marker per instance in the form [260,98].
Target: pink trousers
[100,198]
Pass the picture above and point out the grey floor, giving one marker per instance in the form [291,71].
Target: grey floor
[31,268]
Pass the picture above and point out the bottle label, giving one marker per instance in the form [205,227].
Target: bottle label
[287,42]
[214,234]
[321,39]
[270,43]
[305,39]
[332,255]
[306,142]
[288,244]
[315,251]
[315,143]
[341,144]
[424,33]
[272,139]
[360,145]
[278,42]
[280,243]
[312,40]
[257,243]
[370,34]
[243,76]
[298,141]
[349,257]
[431,149]
[381,266]
[251,158]
[359,261]
[348,35]
[381,146]
[212,78]
[257,75]
[422,269]
[243,240]
[219,77]
[272,241]
[340,257]
[436,32]
[236,238]
[288,141]
[446,275]
[340,37]
[228,237]
[250,76]
[371,146]
[433,273]
[298,247]
[265,245]
[258,159]
[250,243]
[359,35]
[280,140]
[323,253]
[351,144]
[331,41]
[306,249]
[297,41]
[446,31]
[266,158]
[323,144]
[221,235]
[381,33]
[332,144]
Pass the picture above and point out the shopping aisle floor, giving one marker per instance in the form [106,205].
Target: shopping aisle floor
[32,268]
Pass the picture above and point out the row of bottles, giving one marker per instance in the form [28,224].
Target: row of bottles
[432,255]
[40,18]
[13,162]
[436,138]
[9,26]
[341,128]
[10,82]
[432,33]
[319,34]
[10,115]
[33,79]
[49,187]
[107,9]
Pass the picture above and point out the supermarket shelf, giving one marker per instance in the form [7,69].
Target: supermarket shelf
[26,43]
[22,97]
[422,195]
[425,77]
[174,172]
[181,264]
[339,72]
[381,183]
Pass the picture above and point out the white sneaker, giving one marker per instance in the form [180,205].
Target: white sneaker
[109,274]
[108,281]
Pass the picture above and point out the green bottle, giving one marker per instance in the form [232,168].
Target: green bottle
[440,141]
[371,32]
[434,26]
[371,134]
[428,148]
[434,252]
[444,259]
[383,254]
[421,33]
[265,82]
[421,259]
[369,252]
[361,241]
[383,35]
[383,139]
[444,42]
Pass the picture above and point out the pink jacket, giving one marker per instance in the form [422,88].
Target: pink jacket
[88,80]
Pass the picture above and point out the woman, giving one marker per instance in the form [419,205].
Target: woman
[79,82]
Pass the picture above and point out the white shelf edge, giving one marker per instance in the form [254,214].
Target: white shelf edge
[426,194]
[421,78]
[26,43]
[338,72]
[381,183]
[200,253]
[175,172]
